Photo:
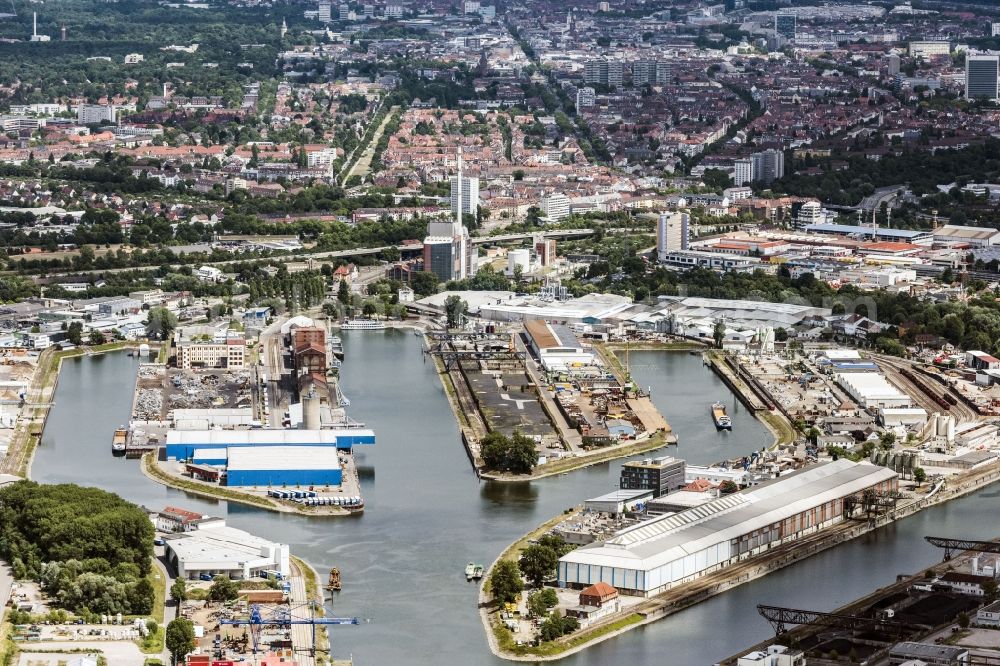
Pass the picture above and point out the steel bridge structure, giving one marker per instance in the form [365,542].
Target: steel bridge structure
[952,546]
[780,618]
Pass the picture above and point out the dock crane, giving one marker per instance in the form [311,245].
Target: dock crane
[282,618]
[951,546]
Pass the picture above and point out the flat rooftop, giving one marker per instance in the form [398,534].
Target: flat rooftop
[218,544]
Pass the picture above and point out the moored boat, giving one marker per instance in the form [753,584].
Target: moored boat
[118,440]
[721,418]
[470,570]
[362,325]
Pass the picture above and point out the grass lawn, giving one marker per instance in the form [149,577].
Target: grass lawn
[8,648]
[159,582]
[551,648]
[153,643]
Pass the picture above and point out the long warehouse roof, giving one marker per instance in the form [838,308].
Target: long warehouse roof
[662,540]
[259,437]
[279,458]
[870,385]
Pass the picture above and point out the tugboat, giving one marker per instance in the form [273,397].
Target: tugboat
[118,441]
[722,420]
[470,570]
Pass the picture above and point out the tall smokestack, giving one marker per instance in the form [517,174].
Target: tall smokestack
[34,24]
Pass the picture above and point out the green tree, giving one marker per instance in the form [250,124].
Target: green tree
[887,441]
[75,333]
[505,581]
[556,543]
[515,454]
[95,337]
[178,591]
[719,333]
[455,309]
[141,597]
[963,620]
[536,605]
[540,601]
[160,323]
[344,293]
[538,563]
[425,283]
[223,589]
[919,475]
[369,308]
[180,639]
[990,588]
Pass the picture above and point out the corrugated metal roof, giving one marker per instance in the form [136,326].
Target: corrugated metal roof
[251,437]
[672,537]
[277,458]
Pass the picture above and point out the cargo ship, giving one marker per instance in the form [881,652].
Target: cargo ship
[722,420]
[118,441]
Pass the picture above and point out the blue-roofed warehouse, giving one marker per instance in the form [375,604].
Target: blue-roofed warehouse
[283,466]
[182,444]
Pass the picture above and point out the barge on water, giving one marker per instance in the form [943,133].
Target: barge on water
[721,418]
[118,441]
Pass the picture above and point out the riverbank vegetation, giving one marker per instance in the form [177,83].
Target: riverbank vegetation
[89,549]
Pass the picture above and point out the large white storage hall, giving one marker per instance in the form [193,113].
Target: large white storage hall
[651,557]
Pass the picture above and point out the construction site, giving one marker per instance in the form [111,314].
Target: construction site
[270,621]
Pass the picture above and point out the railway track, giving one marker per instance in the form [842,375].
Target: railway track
[961,411]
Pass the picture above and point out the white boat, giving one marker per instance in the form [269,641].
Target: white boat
[363,325]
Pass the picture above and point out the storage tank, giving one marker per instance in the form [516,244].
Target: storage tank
[310,411]
[517,258]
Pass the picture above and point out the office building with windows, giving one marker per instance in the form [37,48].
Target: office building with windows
[784,25]
[982,76]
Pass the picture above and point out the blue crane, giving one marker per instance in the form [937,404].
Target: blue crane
[282,618]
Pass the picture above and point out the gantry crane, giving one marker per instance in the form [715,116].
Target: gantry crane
[283,618]
[952,545]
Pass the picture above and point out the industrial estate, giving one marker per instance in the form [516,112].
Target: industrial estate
[676,312]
